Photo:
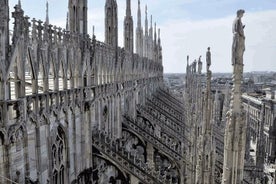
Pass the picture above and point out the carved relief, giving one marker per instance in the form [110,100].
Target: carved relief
[166,168]
[105,172]
[16,133]
[133,145]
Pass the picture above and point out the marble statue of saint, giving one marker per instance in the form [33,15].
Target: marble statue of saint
[208,58]
[194,66]
[238,46]
[199,64]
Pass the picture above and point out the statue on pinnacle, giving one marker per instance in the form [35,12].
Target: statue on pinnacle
[238,46]
[235,131]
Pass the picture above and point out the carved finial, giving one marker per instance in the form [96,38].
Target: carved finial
[128,8]
[93,29]
[188,60]
[19,4]
[159,34]
[208,58]
[146,20]
[67,22]
[155,32]
[47,13]
[139,24]
[199,65]
[151,21]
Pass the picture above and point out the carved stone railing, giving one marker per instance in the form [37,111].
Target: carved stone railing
[162,146]
[168,109]
[154,105]
[173,129]
[169,105]
[167,99]
[113,150]
[171,98]
[37,107]
[47,36]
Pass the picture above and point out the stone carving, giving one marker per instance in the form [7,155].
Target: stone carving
[208,58]
[166,168]
[238,46]
[235,132]
[194,66]
[133,146]
[16,133]
[199,65]
[107,173]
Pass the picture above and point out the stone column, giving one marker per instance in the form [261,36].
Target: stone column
[113,115]
[99,114]
[235,132]
[150,155]
[119,117]
[260,150]
[207,129]
[247,144]
[88,136]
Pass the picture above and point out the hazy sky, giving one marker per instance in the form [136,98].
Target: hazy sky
[188,27]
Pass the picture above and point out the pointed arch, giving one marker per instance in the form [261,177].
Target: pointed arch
[101,165]
[58,154]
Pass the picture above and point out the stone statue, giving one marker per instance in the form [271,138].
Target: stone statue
[194,66]
[208,58]
[199,65]
[238,46]
[235,130]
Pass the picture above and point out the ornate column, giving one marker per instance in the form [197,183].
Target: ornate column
[4,45]
[207,143]
[260,151]
[150,155]
[235,132]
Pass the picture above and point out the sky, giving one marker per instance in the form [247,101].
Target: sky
[188,27]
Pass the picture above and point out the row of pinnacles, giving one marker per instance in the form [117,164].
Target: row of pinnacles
[108,62]
[147,45]
[59,83]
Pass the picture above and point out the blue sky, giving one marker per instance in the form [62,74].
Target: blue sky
[188,27]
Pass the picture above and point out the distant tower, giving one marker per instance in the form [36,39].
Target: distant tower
[128,28]
[78,16]
[139,33]
[111,23]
